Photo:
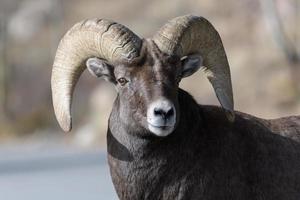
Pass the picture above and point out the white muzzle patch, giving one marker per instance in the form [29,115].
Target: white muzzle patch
[161,117]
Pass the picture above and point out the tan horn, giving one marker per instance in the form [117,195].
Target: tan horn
[91,38]
[192,34]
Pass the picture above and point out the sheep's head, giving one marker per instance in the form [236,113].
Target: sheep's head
[146,73]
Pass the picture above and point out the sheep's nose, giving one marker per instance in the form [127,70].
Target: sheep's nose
[161,113]
[164,112]
[161,117]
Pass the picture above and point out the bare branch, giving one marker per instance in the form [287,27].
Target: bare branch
[273,20]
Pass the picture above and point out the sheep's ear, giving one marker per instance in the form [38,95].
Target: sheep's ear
[101,69]
[190,64]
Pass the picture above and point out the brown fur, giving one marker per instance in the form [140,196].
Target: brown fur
[206,156]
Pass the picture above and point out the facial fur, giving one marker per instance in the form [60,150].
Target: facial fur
[148,87]
[150,90]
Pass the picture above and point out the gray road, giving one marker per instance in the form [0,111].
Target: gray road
[54,173]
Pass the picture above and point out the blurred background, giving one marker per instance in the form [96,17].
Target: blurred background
[261,38]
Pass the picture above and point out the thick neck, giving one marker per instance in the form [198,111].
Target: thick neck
[126,142]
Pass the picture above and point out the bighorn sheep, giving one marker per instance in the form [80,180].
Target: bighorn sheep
[161,143]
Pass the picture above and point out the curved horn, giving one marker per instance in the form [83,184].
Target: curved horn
[191,34]
[91,38]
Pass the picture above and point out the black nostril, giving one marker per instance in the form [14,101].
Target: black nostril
[162,113]
[170,112]
[158,111]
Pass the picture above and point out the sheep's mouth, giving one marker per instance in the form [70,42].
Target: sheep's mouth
[160,130]
[160,126]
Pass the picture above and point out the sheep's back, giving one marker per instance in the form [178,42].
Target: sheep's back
[288,127]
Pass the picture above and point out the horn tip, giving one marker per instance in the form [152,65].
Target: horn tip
[230,115]
[66,127]
[65,123]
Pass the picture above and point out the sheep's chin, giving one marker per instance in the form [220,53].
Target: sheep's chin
[161,131]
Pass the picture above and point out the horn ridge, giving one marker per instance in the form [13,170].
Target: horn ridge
[192,34]
[101,38]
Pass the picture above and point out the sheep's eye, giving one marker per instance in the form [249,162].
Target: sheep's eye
[122,81]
